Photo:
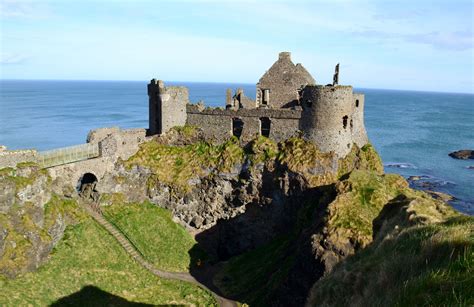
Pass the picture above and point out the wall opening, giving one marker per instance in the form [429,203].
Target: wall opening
[266,97]
[87,187]
[352,124]
[237,127]
[344,121]
[265,124]
[357,103]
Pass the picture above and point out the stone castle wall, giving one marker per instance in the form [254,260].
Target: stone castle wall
[280,84]
[359,134]
[216,123]
[330,118]
[167,106]
[114,143]
[10,158]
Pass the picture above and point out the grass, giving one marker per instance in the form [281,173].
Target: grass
[365,158]
[254,276]
[305,158]
[151,229]
[89,256]
[427,265]
[360,199]
[176,165]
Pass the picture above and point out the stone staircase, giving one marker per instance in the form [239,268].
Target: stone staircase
[94,210]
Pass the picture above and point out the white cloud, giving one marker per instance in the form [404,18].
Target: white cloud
[12,58]
[23,9]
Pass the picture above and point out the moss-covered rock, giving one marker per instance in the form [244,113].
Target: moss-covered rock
[28,233]
[365,158]
[421,265]
[32,218]
[177,165]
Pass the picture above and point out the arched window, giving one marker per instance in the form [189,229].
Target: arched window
[237,127]
[344,122]
[265,123]
[357,103]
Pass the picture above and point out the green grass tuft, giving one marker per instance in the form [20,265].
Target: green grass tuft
[152,231]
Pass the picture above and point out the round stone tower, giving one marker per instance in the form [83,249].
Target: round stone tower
[331,119]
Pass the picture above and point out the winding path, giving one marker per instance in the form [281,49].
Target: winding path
[94,211]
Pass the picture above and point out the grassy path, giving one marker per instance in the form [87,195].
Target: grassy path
[132,251]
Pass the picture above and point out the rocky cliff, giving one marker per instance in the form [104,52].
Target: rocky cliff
[283,220]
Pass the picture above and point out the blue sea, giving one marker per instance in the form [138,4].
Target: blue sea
[413,131]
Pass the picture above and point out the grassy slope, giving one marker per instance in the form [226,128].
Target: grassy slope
[88,255]
[429,265]
[164,243]
[254,275]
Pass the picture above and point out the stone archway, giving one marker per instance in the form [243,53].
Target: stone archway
[87,187]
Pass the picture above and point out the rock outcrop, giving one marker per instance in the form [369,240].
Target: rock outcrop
[462,154]
[32,218]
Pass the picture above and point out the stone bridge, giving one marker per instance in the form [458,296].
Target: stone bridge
[67,155]
[68,166]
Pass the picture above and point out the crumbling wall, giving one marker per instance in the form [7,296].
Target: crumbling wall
[10,158]
[282,82]
[216,123]
[167,106]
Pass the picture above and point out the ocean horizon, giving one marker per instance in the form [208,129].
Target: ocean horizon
[413,131]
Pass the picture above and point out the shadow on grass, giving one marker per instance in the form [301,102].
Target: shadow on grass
[259,257]
[93,296]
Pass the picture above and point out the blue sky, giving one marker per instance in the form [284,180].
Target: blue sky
[413,45]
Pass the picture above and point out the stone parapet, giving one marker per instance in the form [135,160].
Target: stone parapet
[10,158]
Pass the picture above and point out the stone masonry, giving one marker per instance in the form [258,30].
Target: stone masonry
[288,103]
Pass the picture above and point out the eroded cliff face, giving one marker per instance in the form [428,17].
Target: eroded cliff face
[302,211]
[32,218]
[234,199]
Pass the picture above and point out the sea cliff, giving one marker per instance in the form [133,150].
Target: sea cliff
[266,223]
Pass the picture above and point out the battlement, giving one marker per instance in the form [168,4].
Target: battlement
[288,103]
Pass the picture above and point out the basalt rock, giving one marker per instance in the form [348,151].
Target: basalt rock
[464,154]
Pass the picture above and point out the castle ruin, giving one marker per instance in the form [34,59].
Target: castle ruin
[288,103]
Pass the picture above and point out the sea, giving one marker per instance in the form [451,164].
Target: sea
[413,131]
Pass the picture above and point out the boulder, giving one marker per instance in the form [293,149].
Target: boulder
[462,154]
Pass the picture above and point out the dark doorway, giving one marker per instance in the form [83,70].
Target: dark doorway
[265,126]
[237,127]
[87,187]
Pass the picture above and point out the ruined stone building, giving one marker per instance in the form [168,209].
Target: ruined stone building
[288,103]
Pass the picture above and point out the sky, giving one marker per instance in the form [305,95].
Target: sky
[408,45]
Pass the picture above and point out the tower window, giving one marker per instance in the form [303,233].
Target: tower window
[357,103]
[265,126]
[237,127]
[266,97]
[344,122]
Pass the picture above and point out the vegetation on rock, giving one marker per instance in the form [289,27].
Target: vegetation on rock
[176,165]
[88,256]
[423,265]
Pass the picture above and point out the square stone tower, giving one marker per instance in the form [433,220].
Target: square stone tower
[167,106]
